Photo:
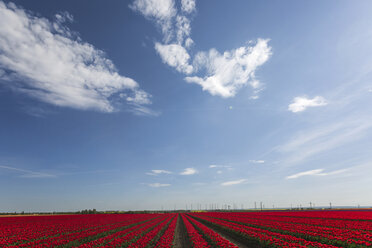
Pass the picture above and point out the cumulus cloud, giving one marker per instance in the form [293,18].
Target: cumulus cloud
[176,56]
[189,171]
[160,11]
[229,183]
[188,6]
[47,61]
[219,74]
[158,172]
[232,70]
[317,172]
[300,104]
[158,185]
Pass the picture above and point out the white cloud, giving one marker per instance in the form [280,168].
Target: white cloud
[138,109]
[28,173]
[232,70]
[183,28]
[176,56]
[300,104]
[164,14]
[305,173]
[189,171]
[160,11]
[219,172]
[139,97]
[189,42]
[221,74]
[161,171]
[229,183]
[317,172]
[64,17]
[158,172]
[219,166]
[188,6]
[45,60]
[158,185]
[257,161]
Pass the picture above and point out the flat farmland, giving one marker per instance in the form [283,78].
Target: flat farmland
[193,229]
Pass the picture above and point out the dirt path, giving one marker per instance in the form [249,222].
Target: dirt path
[228,237]
[181,240]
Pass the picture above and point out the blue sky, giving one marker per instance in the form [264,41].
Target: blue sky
[150,104]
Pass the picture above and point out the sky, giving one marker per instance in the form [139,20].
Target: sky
[175,104]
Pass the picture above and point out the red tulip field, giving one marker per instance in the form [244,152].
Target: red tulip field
[194,229]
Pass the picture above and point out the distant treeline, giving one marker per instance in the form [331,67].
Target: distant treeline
[89,211]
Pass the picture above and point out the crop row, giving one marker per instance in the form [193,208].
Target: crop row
[318,229]
[266,238]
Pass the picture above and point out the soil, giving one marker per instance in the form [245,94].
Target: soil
[230,238]
[181,239]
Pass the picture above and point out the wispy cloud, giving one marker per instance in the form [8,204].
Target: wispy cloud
[301,103]
[317,172]
[27,173]
[158,185]
[158,172]
[46,60]
[176,56]
[257,161]
[221,74]
[189,171]
[219,166]
[317,140]
[229,183]
[142,110]
[188,6]
[159,11]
